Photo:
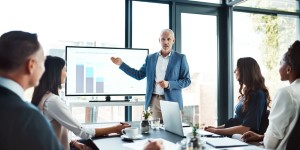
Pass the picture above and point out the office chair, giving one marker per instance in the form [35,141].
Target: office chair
[293,140]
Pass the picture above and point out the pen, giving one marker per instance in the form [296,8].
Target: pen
[126,124]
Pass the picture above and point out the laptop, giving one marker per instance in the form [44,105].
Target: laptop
[224,142]
[172,120]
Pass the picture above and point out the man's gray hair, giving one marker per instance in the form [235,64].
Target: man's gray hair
[169,31]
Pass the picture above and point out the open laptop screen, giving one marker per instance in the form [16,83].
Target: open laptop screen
[172,117]
[173,122]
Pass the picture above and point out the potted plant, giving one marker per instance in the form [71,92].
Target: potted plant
[194,142]
[145,123]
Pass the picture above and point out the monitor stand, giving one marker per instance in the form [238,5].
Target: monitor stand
[127,98]
[108,99]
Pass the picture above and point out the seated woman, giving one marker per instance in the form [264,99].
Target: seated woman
[286,106]
[253,100]
[46,97]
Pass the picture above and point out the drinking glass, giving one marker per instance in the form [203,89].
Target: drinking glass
[155,123]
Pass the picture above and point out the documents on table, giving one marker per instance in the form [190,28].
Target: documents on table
[139,144]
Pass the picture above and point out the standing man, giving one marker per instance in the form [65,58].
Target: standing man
[21,66]
[167,74]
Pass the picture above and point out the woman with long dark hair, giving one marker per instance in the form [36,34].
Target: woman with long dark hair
[53,107]
[253,100]
[283,130]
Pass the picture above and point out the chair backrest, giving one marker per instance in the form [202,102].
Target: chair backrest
[264,123]
[293,140]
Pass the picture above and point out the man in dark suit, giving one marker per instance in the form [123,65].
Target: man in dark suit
[167,74]
[21,66]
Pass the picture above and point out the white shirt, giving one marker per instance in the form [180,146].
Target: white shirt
[55,108]
[284,114]
[160,72]
[13,86]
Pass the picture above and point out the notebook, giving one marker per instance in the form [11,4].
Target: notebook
[172,120]
[224,142]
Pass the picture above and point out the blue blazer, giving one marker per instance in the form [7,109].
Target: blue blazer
[177,74]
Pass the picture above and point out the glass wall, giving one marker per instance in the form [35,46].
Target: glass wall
[59,23]
[265,38]
[148,24]
[67,22]
[281,5]
[209,1]
[146,27]
[200,98]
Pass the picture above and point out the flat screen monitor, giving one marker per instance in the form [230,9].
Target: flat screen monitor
[90,71]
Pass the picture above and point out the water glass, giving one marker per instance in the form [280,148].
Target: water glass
[155,123]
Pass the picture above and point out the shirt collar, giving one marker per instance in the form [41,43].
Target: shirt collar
[13,86]
[296,81]
[159,54]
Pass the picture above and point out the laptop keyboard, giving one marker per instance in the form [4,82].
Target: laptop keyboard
[187,130]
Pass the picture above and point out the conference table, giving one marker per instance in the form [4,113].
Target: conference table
[115,142]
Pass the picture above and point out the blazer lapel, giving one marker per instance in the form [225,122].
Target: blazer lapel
[153,62]
[171,61]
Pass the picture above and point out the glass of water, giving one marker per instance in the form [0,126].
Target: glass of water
[155,123]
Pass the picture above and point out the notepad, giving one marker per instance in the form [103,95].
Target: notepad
[224,142]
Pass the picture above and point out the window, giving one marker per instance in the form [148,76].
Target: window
[73,23]
[146,27]
[209,1]
[148,20]
[252,38]
[67,22]
[200,98]
[282,5]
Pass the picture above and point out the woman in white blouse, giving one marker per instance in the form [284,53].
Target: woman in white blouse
[285,109]
[46,97]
